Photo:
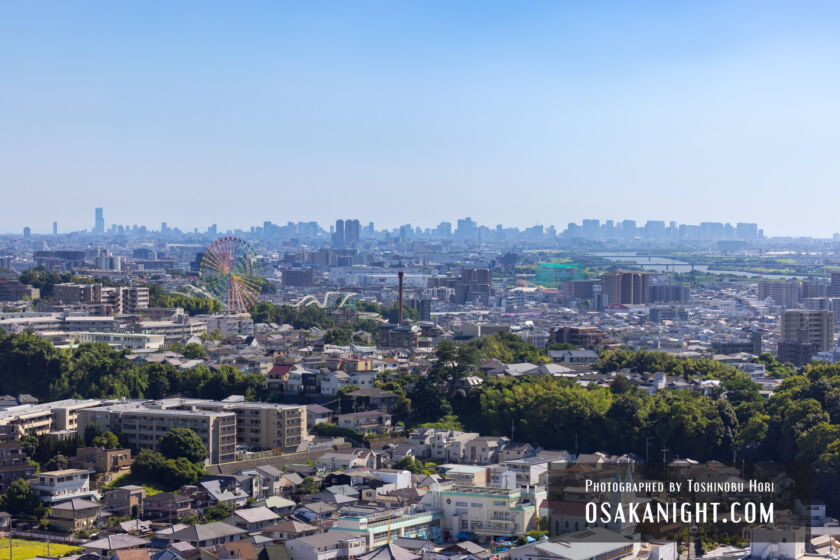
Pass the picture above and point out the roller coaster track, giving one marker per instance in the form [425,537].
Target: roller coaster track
[332,300]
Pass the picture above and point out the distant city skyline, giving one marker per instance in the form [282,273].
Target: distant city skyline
[543,112]
[346,231]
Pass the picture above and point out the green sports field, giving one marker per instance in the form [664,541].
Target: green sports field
[22,550]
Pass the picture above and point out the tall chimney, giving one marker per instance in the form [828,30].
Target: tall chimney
[400,274]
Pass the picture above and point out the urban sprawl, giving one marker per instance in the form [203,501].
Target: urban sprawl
[295,392]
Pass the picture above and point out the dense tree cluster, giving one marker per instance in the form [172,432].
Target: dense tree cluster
[178,461]
[32,365]
[192,305]
[508,348]
[800,422]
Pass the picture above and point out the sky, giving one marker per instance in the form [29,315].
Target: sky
[513,113]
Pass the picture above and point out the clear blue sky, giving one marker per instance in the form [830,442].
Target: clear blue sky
[415,112]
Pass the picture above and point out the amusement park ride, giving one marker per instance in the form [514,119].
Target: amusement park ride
[231,273]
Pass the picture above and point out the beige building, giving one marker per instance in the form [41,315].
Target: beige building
[144,424]
[37,419]
[74,515]
[486,512]
[258,425]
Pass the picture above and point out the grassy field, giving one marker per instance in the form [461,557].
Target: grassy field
[22,550]
[125,480]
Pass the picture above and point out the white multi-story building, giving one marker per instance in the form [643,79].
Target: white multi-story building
[377,526]
[59,486]
[485,513]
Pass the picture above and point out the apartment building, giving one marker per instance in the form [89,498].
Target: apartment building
[628,288]
[113,300]
[809,327]
[263,425]
[37,419]
[784,294]
[805,333]
[258,425]
[220,424]
[143,424]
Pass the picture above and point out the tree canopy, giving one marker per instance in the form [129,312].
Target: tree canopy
[182,442]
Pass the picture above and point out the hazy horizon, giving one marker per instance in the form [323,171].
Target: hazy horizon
[196,113]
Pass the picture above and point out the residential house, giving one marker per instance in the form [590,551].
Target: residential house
[333,381]
[377,398]
[278,504]
[14,464]
[326,546]
[317,414]
[110,544]
[338,460]
[288,529]
[253,519]
[74,515]
[166,505]
[101,460]
[368,422]
[58,486]
[208,534]
[516,450]
[125,500]
[227,490]
[239,550]
[466,475]
[390,551]
[484,450]
[450,445]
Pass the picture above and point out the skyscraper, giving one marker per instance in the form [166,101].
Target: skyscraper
[27,232]
[55,228]
[352,232]
[338,236]
[99,224]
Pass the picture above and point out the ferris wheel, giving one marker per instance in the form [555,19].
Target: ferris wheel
[232,273]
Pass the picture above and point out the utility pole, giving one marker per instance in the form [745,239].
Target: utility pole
[664,456]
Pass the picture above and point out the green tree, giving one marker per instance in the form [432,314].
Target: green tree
[195,351]
[21,500]
[55,463]
[147,464]
[309,485]
[182,442]
[107,440]
[217,512]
